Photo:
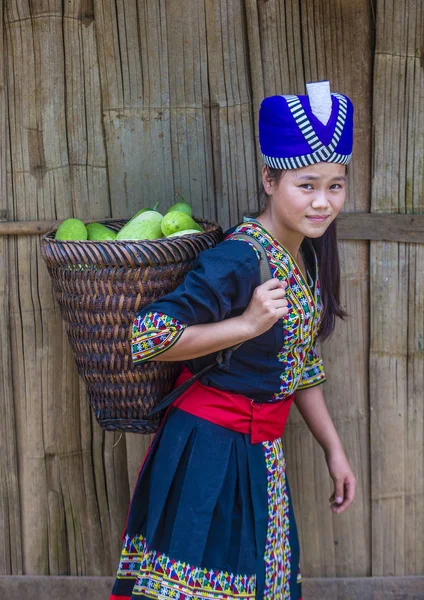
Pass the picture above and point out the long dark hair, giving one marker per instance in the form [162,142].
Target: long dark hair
[328,264]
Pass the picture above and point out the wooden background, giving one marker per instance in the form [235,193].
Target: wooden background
[107,105]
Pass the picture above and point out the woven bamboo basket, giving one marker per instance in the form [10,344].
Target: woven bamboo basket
[100,287]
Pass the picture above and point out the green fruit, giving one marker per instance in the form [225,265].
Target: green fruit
[181,207]
[177,221]
[140,212]
[147,226]
[184,232]
[198,227]
[97,231]
[71,229]
[145,210]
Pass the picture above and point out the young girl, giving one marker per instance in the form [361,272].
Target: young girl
[211,516]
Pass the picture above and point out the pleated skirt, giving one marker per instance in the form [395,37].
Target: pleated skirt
[211,518]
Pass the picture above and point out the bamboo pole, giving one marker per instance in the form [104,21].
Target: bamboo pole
[397,288]
[10,501]
[350,226]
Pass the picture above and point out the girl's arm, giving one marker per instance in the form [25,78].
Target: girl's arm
[199,340]
[311,405]
[265,308]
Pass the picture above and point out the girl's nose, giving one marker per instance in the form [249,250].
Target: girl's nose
[320,199]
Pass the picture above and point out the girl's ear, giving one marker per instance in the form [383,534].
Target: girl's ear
[266,181]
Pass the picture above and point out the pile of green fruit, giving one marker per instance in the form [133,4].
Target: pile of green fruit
[147,224]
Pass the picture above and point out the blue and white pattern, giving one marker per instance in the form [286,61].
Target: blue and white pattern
[321,152]
[292,136]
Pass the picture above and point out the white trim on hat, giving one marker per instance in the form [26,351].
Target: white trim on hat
[320,100]
[304,160]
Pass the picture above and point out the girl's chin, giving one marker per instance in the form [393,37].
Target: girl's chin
[315,232]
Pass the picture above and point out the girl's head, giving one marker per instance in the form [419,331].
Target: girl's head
[296,198]
[306,143]
[305,201]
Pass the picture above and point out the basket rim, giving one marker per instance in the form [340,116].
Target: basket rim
[128,253]
[48,239]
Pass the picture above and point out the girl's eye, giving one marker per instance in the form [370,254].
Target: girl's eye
[336,186]
[306,186]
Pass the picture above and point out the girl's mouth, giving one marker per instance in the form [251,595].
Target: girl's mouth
[318,218]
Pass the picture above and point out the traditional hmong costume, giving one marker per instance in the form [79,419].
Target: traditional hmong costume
[211,516]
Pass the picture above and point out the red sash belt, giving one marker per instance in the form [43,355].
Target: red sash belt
[264,422]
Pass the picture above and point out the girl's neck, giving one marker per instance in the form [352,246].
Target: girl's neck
[292,240]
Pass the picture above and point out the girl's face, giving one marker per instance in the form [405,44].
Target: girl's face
[305,201]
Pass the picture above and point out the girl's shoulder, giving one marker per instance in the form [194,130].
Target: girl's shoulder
[232,253]
[245,233]
[253,233]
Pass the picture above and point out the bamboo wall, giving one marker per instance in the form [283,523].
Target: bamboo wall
[109,105]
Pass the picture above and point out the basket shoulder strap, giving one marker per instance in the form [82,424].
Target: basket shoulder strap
[176,392]
[266,272]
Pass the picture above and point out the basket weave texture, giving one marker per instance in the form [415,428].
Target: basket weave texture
[100,287]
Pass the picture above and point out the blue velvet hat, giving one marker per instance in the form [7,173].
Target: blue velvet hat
[296,131]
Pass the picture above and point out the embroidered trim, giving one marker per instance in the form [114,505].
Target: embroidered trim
[277,548]
[313,373]
[153,334]
[321,153]
[158,576]
[300,326]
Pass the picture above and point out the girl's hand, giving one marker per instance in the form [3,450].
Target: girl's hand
[267,305]
[344,481]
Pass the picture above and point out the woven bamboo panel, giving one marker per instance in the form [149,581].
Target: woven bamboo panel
[109,106]
[397,286]
[72,503]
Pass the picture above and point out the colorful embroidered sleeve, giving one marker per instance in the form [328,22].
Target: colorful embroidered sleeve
[152,334]
[313,372]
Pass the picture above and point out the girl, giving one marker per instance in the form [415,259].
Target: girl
[211,516]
